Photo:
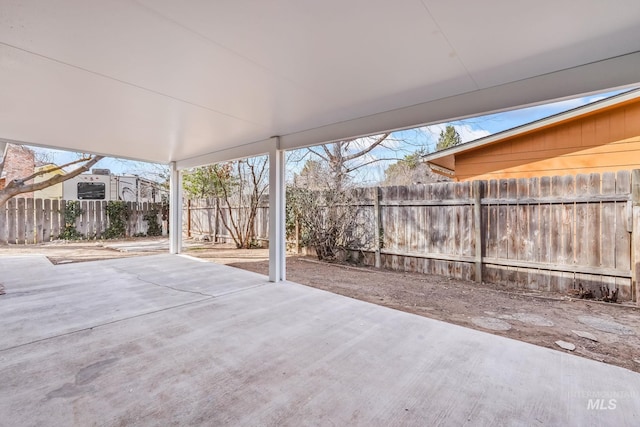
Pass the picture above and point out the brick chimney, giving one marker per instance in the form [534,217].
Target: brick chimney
[19,163]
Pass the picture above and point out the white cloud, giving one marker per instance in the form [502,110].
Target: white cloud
[467,132]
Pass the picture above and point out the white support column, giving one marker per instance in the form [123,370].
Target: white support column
[277,199]
[175,210]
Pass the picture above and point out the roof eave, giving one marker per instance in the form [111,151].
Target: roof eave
[446,156]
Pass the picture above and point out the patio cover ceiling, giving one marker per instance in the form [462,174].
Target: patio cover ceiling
[176,80]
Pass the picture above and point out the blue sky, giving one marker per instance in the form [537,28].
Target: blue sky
[474,128]
[478,127]
[499,122]
[404,142]
[116,166]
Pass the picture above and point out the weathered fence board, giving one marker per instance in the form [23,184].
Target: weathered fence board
[491,241]
[11,220]
[83,220]
[30,222]
[60,220]
[39,220]
[544,255]
[46,220]
[608,229]
[532,280]
[21,224]
[91,220]
[55,222]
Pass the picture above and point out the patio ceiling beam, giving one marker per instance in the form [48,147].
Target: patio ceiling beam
[618,72]
[251,149]
[622,71]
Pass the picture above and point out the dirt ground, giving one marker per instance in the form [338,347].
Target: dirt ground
[64,252]
[536,317]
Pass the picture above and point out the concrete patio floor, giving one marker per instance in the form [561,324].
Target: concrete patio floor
[170,340]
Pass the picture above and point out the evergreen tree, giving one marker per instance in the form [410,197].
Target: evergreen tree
[448,138]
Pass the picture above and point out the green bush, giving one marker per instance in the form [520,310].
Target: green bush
[154,228]
[72,212]
[118,214]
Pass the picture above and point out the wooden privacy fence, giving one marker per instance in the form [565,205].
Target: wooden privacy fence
[550,233]
[28,221]
[202,218]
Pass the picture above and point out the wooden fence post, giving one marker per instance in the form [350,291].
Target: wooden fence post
[635,235]
[376,220]
[477,219]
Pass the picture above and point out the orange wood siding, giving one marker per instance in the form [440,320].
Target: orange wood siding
[607,141]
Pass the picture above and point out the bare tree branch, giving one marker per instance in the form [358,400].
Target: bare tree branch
[328,153]
[225,198]
[376,160]
[55,168]
[242,186]
[18,186]
[373,145]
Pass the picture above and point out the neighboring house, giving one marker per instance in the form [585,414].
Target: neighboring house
[19,163]
[603,136]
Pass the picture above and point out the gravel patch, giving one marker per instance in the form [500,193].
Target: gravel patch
[605,325]
[491,323]
[531,319]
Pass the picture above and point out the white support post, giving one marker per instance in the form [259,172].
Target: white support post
[277,243]
[175,210]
